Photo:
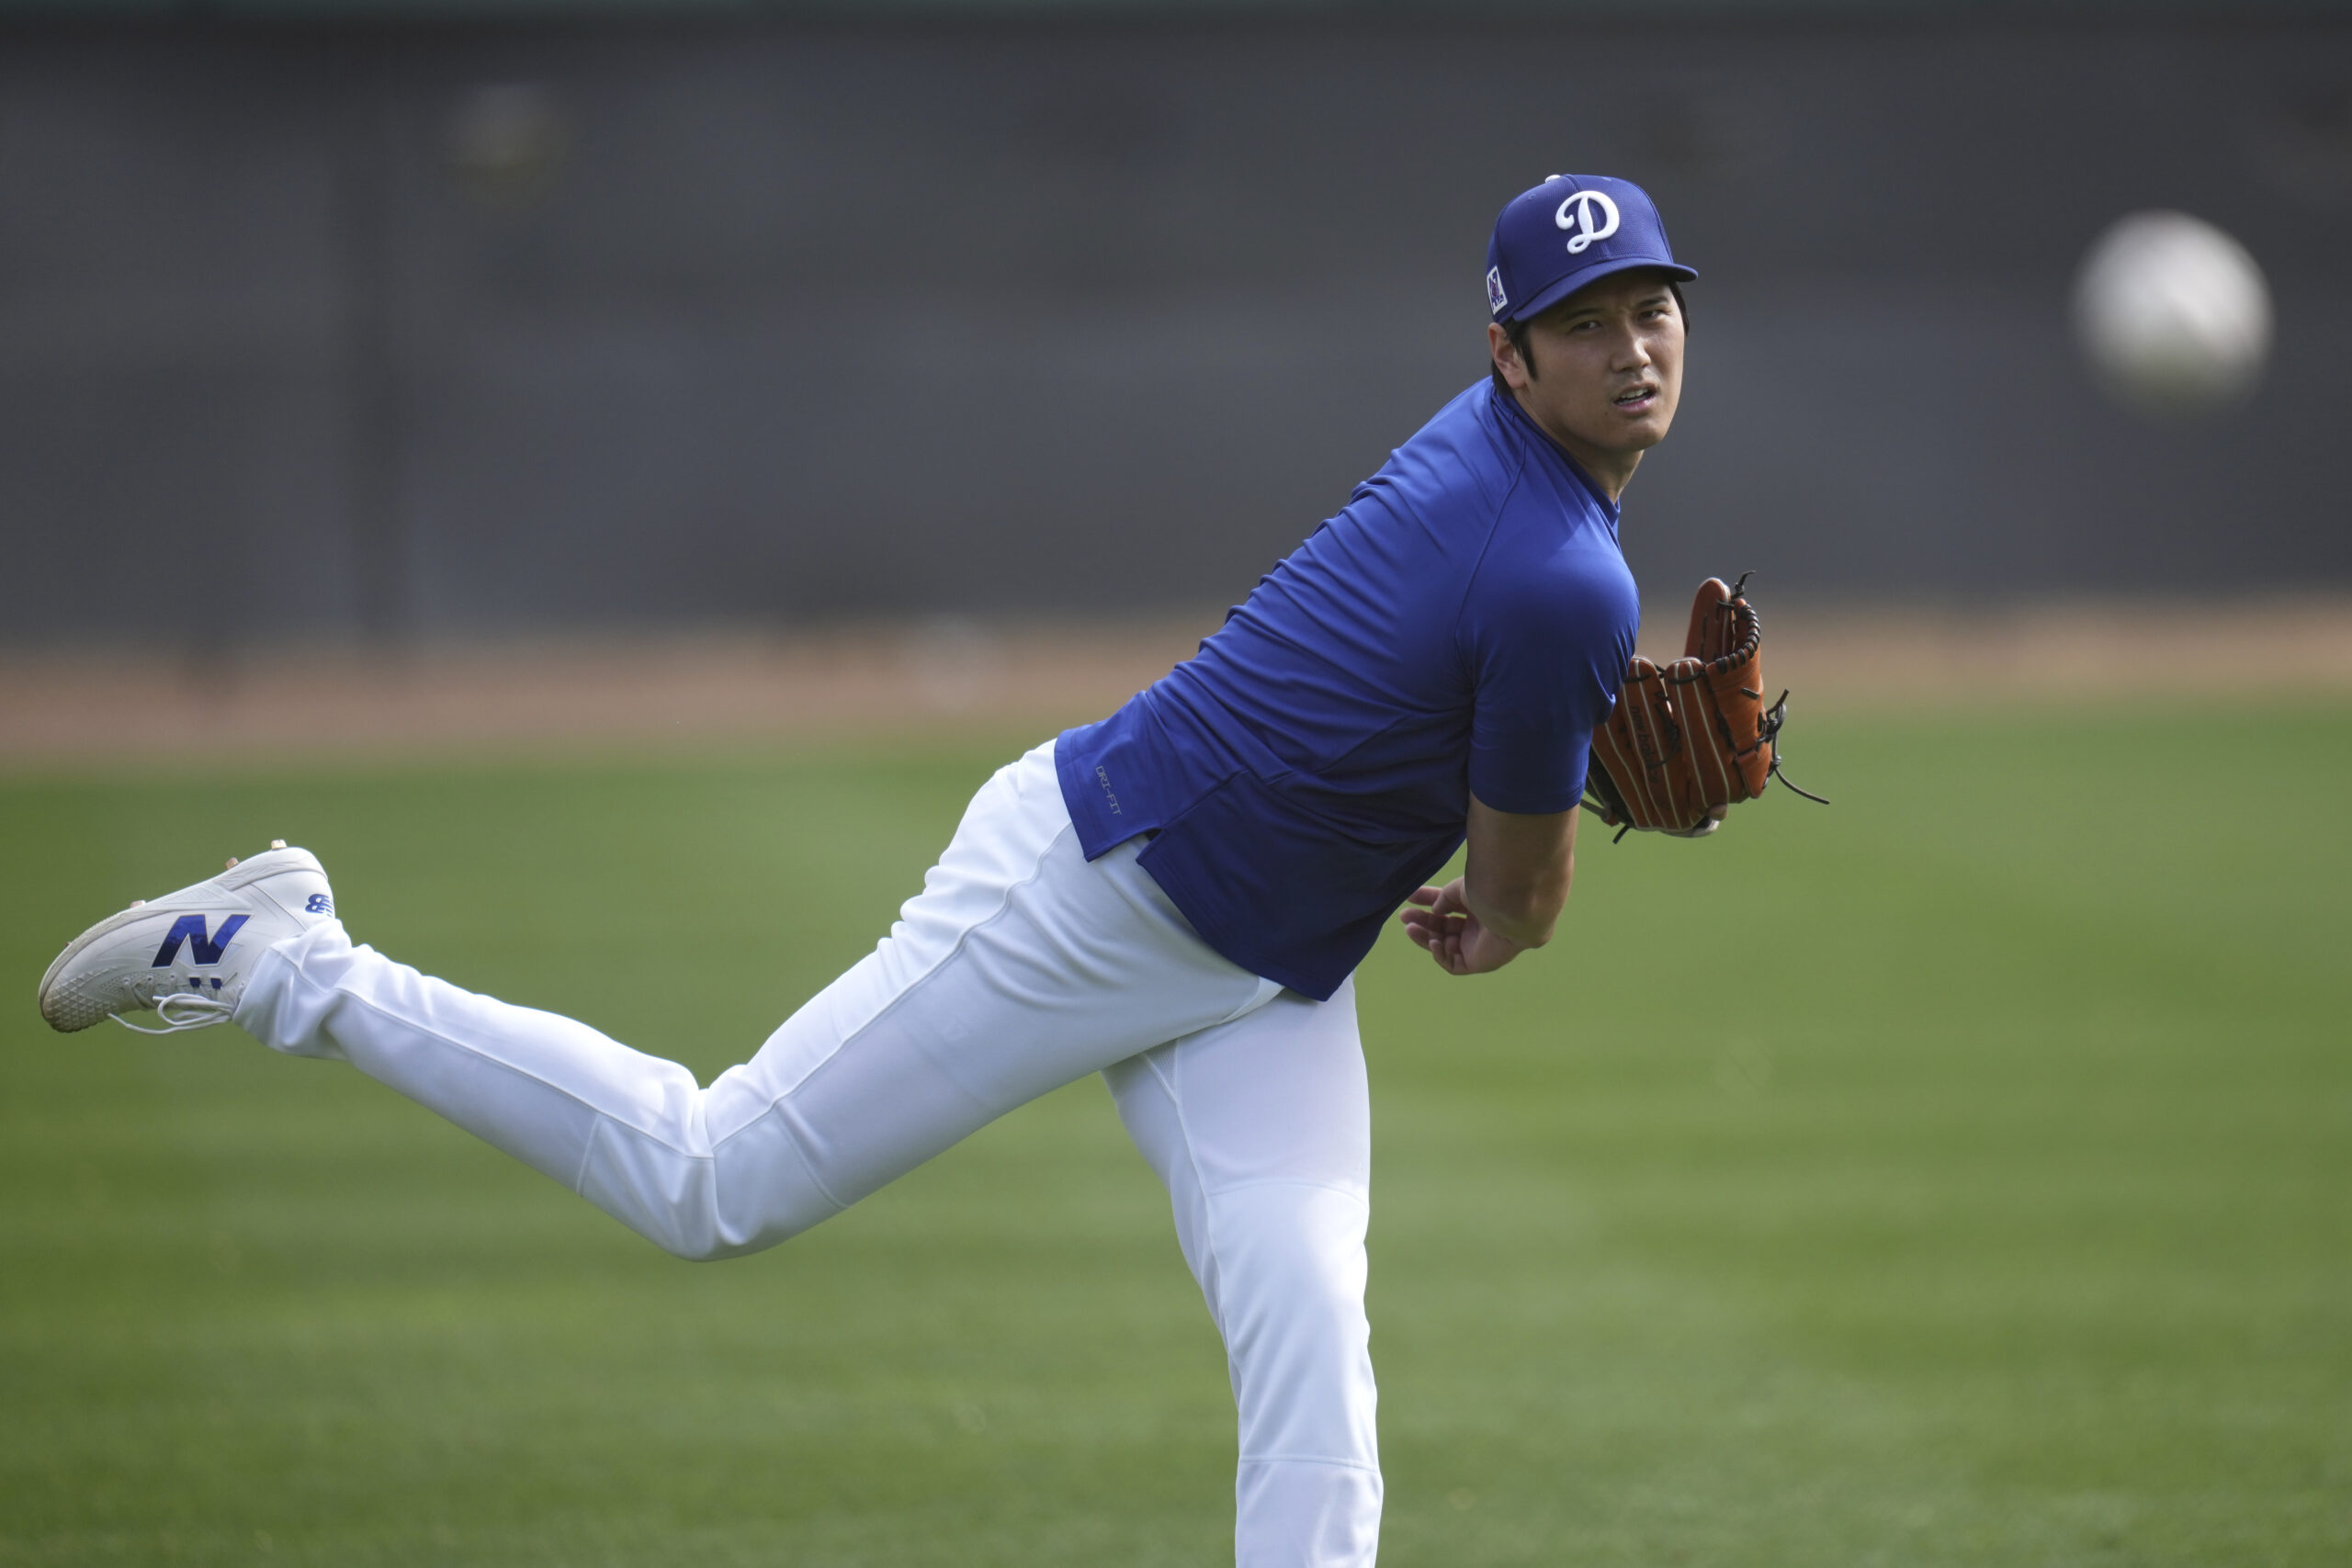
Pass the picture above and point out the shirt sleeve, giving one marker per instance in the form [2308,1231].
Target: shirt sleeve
[1548,640]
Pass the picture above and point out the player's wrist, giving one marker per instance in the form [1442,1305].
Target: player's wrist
[1519,933]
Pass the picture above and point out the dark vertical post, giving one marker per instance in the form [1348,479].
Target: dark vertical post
[367,125]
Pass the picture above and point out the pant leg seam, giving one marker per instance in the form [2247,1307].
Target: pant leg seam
[1310,1458]
[1288,1182]
[587,1153]
[1192,1159]
[1257,999]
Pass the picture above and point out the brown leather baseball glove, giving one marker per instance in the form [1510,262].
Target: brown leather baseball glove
[1691,740]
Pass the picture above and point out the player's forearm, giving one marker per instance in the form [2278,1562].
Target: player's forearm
[1517,881]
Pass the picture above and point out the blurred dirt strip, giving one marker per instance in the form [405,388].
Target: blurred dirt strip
[1034,677]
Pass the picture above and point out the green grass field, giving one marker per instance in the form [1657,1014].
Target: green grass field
[1959,1175]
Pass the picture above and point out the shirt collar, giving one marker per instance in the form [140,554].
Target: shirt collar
[1513,415]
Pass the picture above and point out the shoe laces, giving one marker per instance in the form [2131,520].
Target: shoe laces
[183,1010]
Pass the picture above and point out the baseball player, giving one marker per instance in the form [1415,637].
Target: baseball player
[1175,898]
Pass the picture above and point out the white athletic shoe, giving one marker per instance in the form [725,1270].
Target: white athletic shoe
[187,954]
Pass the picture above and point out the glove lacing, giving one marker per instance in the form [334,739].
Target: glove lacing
[1768,729]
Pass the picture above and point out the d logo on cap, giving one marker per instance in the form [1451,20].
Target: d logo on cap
[1584,230]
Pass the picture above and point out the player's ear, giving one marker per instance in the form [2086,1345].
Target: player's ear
[1505,356]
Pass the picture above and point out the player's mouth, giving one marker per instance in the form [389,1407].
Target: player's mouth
[1637,400]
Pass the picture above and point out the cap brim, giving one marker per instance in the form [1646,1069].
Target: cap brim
[1569,285]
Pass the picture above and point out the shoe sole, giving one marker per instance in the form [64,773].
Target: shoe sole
[234,878]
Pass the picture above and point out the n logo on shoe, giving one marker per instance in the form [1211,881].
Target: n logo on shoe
[202,949]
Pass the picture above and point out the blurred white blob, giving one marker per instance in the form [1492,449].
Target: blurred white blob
[2173,314]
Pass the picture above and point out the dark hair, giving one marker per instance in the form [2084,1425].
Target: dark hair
[1517,332]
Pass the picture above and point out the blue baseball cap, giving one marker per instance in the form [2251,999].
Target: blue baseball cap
[1552,241]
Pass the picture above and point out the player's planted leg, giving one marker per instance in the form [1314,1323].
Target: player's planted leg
[1260,1129]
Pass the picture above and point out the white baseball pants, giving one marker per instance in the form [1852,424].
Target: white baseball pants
[1019,968]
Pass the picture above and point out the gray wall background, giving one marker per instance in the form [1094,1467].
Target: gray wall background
[772,320]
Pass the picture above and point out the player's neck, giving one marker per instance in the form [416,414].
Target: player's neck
[1612,470]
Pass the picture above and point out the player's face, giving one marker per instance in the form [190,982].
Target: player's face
[1607,371]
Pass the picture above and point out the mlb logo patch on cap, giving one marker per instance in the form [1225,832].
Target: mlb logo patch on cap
[1495,297]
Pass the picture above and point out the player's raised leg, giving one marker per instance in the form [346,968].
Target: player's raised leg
[1261,1130]
[1020,968]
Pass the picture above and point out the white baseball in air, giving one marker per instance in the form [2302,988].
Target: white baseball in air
[2173,314]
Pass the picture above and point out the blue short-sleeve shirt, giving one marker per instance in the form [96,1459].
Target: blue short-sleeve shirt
[1460,629]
